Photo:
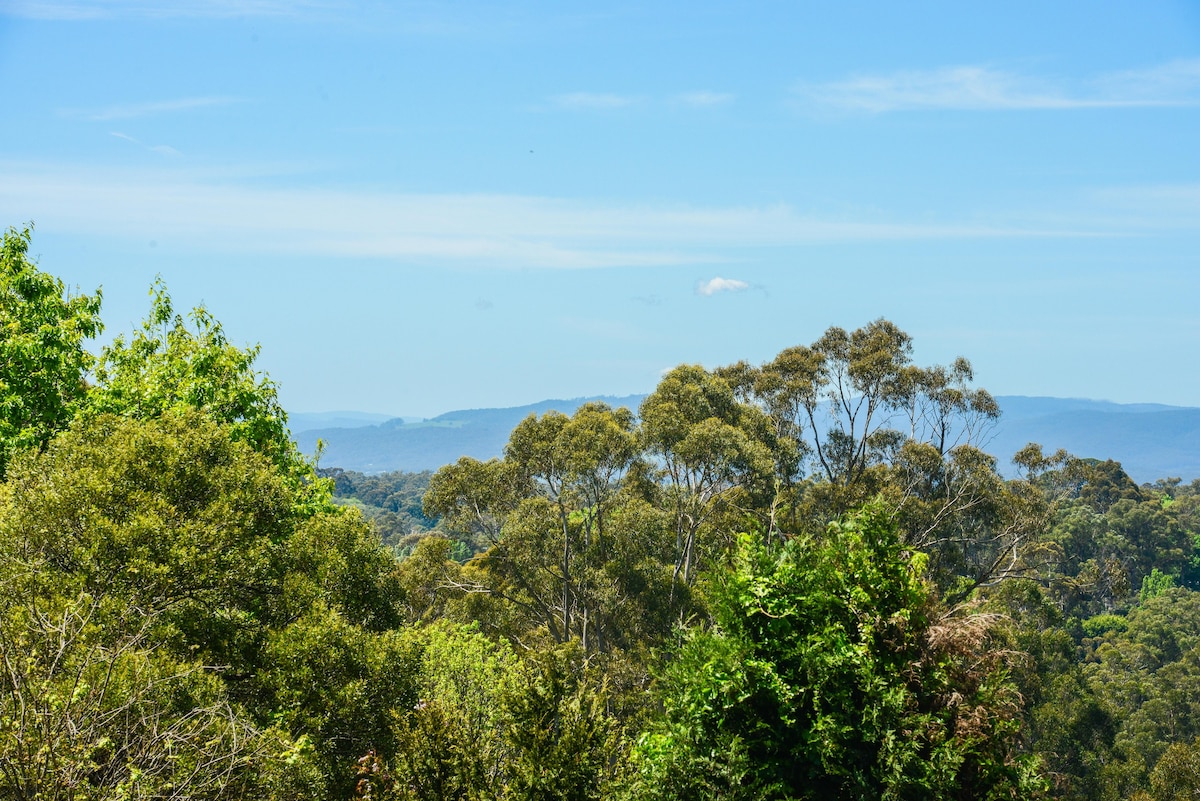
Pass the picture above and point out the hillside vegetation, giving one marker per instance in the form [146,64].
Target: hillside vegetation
[797,580]
[1150,440]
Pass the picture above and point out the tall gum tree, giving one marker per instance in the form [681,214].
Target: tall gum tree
[855,411]
[706,446]
[544,512]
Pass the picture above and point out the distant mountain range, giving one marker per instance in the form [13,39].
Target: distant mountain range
[1151,441]
[374,446]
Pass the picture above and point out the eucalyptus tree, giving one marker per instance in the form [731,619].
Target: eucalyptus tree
[544,512]
[706,447]
[851,399]
[865,421]
[595,448]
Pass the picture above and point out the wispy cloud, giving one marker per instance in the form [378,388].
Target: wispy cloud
[592,101]
[165,150]
[983,88]
[221,211]
[132,110]
[714,285]
[1173,83]
[702,99]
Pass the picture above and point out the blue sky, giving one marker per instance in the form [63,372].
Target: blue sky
[419,207]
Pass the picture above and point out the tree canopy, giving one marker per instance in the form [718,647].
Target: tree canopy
[801,579]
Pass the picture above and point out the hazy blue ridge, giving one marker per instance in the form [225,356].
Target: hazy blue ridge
[310,421]
[1151,441]
[1149,445]
[429,444]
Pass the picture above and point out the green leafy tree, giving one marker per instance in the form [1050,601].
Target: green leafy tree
[92,708]
[167,550]
[848,401]
[43,363]
[854,411]
[577,464]
[473,498]
[827,675]
[708,448]
[574,550]
[168,365]
[486,724]
[561,738]
[137,575]
[1068,726]
[1176,777]
[1148,672]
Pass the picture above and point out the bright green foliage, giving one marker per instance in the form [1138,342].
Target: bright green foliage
[483,724]
[826,678]
[169,516]
[451,735]
[1155,584]
[172,585]
[168,365]
[1100,625]
[42,360]
[136,567]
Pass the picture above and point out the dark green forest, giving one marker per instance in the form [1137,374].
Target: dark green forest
[796,580]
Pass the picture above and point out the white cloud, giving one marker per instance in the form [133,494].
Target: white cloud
[981,88]
[714,285]
[592,101]
[129,111]
[702,99]
[225,211]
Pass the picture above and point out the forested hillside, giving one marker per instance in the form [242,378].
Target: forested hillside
[796,580]
[1149,440]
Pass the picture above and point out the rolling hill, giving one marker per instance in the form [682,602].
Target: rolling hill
[1151,441]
